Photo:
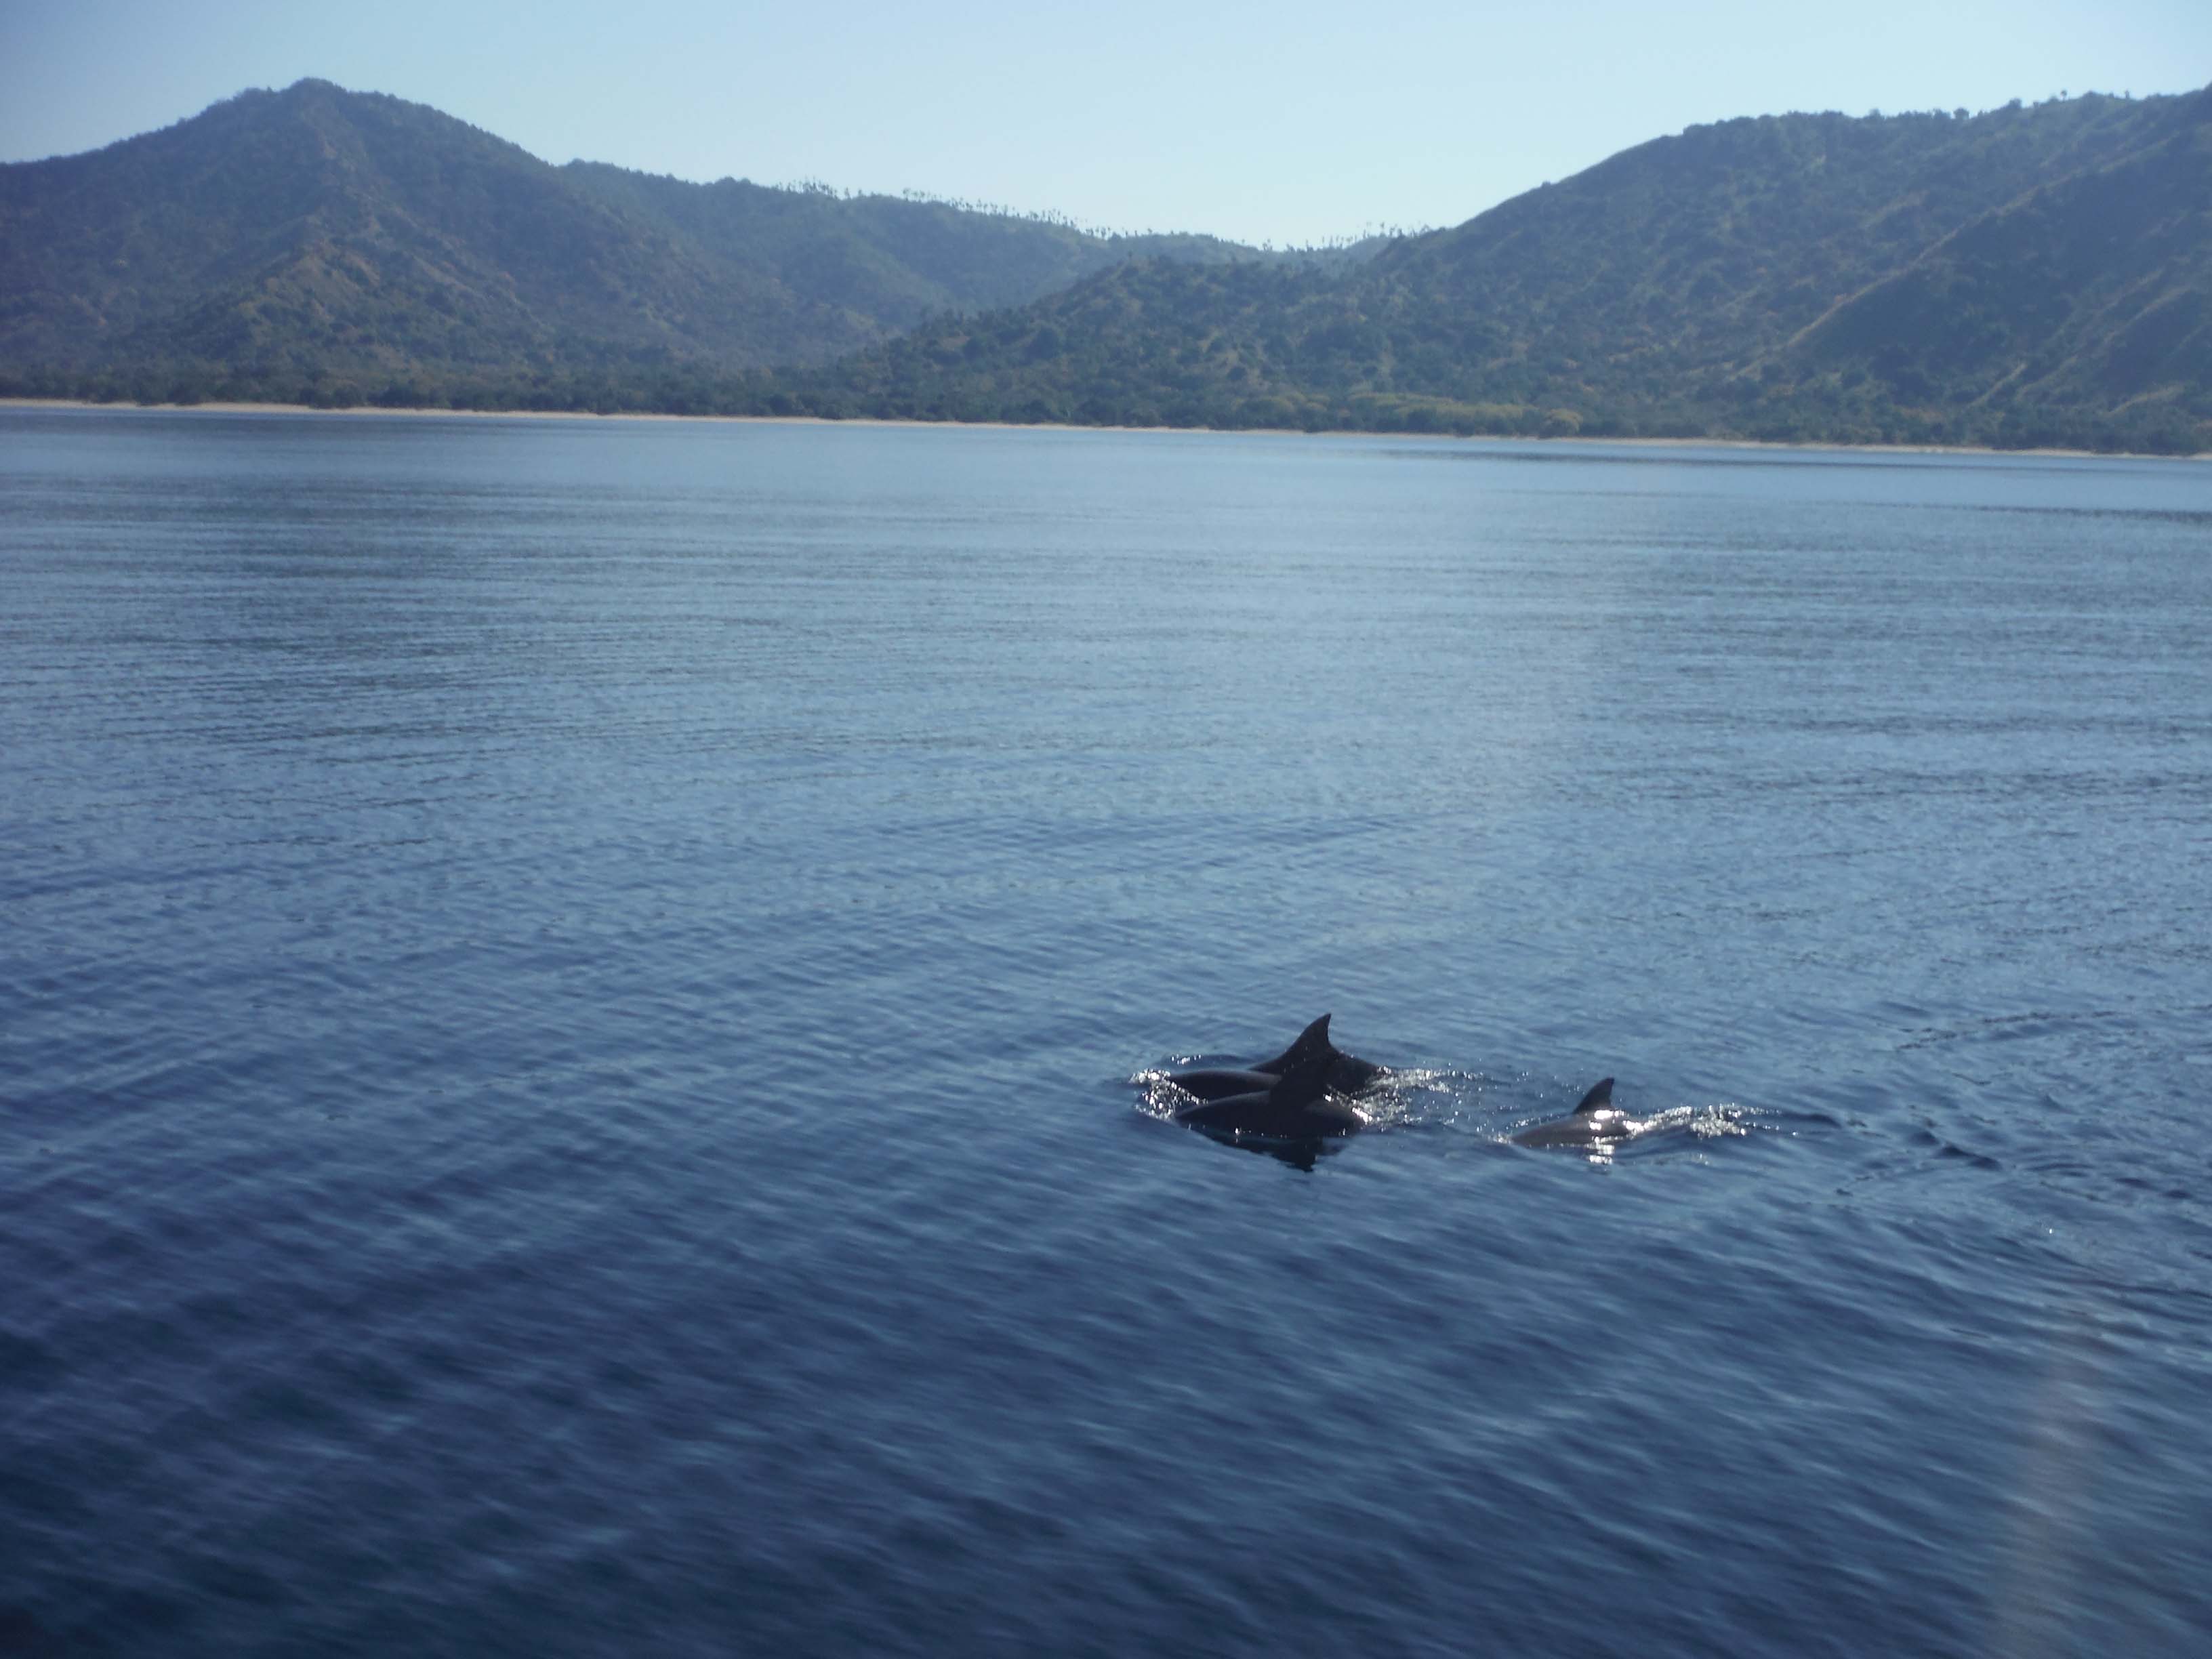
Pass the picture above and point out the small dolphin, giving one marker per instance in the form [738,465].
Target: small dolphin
[1595,1122]
[1348,1073]
[1296,1106]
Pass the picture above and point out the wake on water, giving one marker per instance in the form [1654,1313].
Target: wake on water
[1421,1100]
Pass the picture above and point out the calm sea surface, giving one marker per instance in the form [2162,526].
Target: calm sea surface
[574,1000]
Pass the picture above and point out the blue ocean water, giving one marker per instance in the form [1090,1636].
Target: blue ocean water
[576,998]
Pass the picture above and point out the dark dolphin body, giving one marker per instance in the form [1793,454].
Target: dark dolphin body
[1596,1122]
[1348,1073]
[1296,1106]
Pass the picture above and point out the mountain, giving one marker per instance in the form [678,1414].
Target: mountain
[2090,292]
[2027,276]
[331,241]
[2031,274]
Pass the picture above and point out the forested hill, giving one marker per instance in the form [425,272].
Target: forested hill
[2029,276]
[321,243]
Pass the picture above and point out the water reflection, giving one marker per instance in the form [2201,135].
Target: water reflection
[1305,1155]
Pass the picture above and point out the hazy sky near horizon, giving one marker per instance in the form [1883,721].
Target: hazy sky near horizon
[1292,121]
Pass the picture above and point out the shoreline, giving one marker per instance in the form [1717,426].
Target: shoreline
[358,411]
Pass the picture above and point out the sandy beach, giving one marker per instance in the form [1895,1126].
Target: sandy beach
[361,410]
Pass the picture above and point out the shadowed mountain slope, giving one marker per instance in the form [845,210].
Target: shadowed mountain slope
[2093,291]
[2030,275]
[2035,275]
[315,235]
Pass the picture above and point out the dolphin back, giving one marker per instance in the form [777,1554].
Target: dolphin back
[1296,1105]
[1220,1083]
[1595,1122]
[1288,1095]
[1305,1079]
[1348,1073]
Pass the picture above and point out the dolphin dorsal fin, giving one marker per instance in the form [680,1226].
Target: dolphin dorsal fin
[1313,1039]
[1597,1098]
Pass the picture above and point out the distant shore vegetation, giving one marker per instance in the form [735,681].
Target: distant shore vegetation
[1845,422]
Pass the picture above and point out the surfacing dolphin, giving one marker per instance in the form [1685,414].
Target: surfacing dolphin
[1348,1073]
[1596,1122]
[1296,1106]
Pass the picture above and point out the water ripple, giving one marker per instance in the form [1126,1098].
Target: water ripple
[583,1007]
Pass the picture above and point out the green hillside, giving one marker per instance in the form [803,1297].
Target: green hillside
[338,245]
[2088,298]
[893,260]
[2029,276]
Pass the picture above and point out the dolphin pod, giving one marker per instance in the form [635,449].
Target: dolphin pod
[1292,1104]
[1298,1096]
[1348,1073]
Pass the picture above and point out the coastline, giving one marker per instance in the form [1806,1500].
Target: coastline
[1579,441]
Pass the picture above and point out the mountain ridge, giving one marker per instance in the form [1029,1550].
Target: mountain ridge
[315,233]
[1750,279]
[2028,275]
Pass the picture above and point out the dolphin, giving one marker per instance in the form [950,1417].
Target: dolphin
[1595,1122]
[1296,1106]
[1348,1073]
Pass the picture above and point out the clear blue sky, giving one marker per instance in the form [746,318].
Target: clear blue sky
[1289,121]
